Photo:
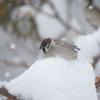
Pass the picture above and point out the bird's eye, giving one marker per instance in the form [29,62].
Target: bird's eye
[48,45]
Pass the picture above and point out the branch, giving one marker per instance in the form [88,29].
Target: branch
[14,64]
[95,61]
[97,82]
[5,92]
[56,15]
[42,11]
[61,21]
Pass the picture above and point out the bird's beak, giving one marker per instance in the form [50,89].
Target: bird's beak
[40,47]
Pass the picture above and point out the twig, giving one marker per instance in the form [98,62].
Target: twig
[56,15]
[95,61]
[14,64]
[97,82]
[5,92]
[42,11]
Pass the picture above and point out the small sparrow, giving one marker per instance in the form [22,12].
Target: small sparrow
[91,13]
[53,47]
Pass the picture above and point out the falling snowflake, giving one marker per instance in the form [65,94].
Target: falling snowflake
[28,64]
[98,93]
[12,46]
[2,63]
[7,74]
[90,7]
[9,4]
[39,2]
[63,38]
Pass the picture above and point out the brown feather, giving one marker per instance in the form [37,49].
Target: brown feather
[67,45]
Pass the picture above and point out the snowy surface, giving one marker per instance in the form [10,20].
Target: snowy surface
[55,79]
[89,45]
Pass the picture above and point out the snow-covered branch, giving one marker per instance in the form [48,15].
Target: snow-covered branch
[14,64]
[97,82]
[5,92]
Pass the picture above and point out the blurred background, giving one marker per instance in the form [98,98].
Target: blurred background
[25,23]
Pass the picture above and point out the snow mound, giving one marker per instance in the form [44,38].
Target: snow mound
[89,45]
[55,79]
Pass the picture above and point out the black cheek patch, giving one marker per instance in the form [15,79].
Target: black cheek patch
[44,50]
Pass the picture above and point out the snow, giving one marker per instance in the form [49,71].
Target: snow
[3,97]
[89,45]
[50,26]
[47,26]
[7,74]
[96,36]
[12,46]
[9,4]
[90,7]
[63,38]
[20,12]
[61,8]
[55,79]
[16,55]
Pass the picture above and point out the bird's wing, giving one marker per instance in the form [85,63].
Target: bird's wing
[67,45]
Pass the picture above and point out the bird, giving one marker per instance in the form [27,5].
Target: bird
[91,13]
[54,47]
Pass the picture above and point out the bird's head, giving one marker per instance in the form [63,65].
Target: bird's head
[46,44]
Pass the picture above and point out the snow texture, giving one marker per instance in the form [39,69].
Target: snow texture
[55,79]
[89,45]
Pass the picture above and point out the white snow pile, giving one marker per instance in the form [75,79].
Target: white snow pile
[55,79]
[89,45]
